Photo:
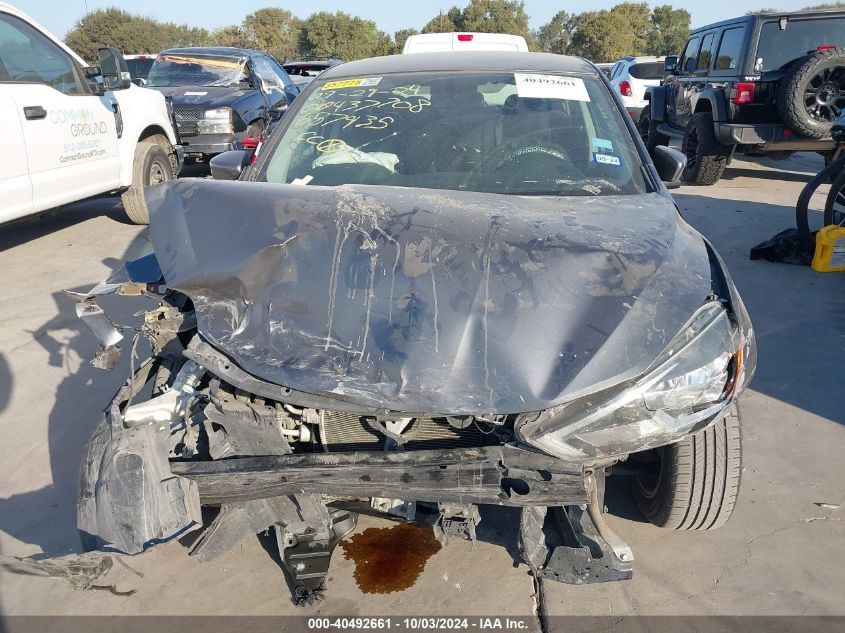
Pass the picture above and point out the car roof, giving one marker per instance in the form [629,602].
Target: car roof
[767,15]
[643,59]
[484,61]
[213,50]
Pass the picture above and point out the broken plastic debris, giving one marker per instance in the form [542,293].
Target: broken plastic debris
[80,571]
[827,506]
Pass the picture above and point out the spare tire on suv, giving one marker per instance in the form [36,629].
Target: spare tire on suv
[812,94]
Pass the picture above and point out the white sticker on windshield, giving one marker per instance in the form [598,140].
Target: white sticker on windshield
[535,86]
[195,94]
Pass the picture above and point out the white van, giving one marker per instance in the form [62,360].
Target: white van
[69,131]
[447,42]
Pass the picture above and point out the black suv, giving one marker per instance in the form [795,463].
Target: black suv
[765,84]
[221,95]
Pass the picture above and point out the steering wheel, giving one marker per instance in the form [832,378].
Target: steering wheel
[507,154]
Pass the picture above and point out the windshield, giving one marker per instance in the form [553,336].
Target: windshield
[778,48]
[178,69]
[516,133]
[139,67]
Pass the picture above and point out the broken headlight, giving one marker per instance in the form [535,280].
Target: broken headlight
[691,381]
[216,121]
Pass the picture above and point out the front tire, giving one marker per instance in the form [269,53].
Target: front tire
[648,131]
[151,166]
[834,208]
[706,156]
[697,481]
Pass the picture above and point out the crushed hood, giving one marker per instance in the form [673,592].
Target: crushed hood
[429,300]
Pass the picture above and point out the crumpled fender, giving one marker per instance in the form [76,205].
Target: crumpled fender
[128,498]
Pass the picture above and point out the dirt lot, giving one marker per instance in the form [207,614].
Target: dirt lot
[780,554]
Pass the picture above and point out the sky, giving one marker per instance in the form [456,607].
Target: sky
[59,16]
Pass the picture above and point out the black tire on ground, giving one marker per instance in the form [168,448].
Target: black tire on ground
[698,481]
[834,208]
[812,95]
[706,156]
[648,131]
[151,166]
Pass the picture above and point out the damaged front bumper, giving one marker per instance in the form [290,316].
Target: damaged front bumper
[128,497]
[133,496]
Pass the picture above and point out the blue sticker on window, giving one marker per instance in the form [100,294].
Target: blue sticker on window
[601,143]
[604,158]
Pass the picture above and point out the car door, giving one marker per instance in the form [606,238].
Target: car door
[701,74]
[680,91]
[15,185]
[271,84]
[68,132]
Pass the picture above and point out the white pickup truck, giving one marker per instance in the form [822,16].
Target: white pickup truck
[69,131]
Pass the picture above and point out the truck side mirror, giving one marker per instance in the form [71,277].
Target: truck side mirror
[228,165]
[670,64]
[670,164]
[114,70]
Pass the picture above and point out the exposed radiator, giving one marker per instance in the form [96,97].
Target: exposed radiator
[344,432]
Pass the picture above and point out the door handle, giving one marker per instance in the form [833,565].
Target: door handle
[33,113]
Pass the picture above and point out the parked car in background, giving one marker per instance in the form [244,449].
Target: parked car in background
[139,67]
[447,280]
[605,68]
[763,85]
[444,42]
[70,131]
[303,71]
[221,95]
[632,76]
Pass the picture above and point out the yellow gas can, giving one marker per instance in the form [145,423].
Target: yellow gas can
[830,249]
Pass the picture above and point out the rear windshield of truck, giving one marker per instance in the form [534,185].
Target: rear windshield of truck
[647,70]
[778,48]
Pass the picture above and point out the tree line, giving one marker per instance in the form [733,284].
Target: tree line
[629,28]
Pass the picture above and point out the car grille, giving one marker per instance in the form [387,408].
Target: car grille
[186,120]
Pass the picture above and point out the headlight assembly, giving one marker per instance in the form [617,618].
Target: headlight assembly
[691,381]
[216,121]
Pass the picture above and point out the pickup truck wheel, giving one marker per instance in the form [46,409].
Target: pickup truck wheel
[706,156]
[834,209]
[812,95]
[696,484]
[151,167]
[648,131]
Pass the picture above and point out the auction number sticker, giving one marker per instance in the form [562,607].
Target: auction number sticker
[536,86]
[603,158]
[351,83]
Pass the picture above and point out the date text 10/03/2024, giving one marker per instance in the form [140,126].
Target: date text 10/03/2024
[421,623]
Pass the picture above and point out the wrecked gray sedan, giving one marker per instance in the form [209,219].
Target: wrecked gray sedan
[445,280]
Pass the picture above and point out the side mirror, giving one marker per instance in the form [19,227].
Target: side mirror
[229,165]
[139,81]
[670,64]
[114,69]
[670,164]
[280,108]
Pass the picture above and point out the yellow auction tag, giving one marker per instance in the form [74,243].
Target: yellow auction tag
[351,83]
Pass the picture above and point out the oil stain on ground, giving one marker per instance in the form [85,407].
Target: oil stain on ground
[390,559]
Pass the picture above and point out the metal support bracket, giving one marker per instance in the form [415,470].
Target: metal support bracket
[306,555]
[456,522]
[574,544]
